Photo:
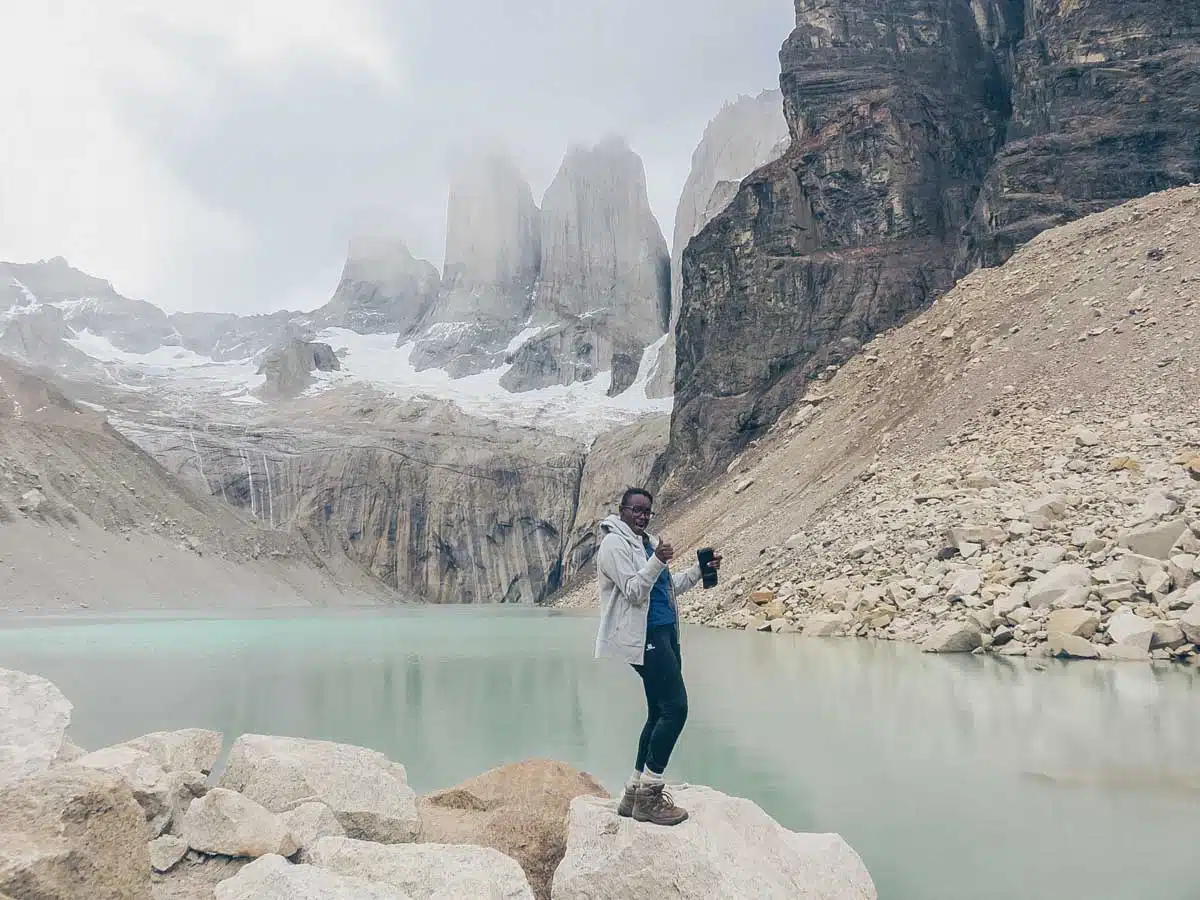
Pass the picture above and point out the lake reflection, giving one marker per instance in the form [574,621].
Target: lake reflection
[953,777]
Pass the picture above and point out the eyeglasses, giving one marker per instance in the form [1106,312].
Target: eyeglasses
[639,511]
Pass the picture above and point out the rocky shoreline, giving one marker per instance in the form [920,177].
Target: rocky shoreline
[1095,557]
[291,818]
[1016,471]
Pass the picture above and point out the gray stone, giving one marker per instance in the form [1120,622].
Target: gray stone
[967,583]
[1157,505]
[1061,586]
[824,625]
[1019,615]
[1047,558]
[1168,636]
[166,852]
[367,792]
[163,795]
[1154,541]
[1184,569]
[225,823]
[953,637]
[1071,646]
[1131,630]
[34,716]
[1080,622]
[985,619]
[308,823]
[426,870]
[1123,653]
[1005,604]
[288,369]
[274,878]
[1120,591]
[69,752]
[975,535]
[728,848]
[1189,623]
[186,750]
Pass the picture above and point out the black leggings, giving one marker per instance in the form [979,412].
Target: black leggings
[666,698]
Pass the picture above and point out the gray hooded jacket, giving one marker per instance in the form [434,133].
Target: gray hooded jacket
[626,578]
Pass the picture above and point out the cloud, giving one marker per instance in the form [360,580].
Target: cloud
[220,154]
[76,180]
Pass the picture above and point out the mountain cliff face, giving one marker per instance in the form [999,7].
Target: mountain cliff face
[493,253]
[288,369]
[439,506]
[1106,108]
[928,137]
[747,133]
[86,304]
[384,289]
[605,272]
[895,113]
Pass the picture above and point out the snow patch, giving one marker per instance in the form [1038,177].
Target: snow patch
[185,368]
[526,335]
[583,409]
[443,331]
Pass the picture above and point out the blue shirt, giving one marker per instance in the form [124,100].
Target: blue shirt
[660,612]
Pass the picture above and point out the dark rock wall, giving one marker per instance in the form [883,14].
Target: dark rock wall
[929,137]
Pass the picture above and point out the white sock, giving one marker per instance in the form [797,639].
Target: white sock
[651,777]
[634,780]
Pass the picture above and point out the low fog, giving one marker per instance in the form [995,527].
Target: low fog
[221,155]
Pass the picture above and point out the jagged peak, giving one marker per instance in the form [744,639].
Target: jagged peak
[377,247]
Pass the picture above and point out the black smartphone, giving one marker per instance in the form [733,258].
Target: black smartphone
[705,556]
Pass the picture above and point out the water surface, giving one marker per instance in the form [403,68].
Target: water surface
[953,777]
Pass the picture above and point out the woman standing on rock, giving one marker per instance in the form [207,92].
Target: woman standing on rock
[639,625]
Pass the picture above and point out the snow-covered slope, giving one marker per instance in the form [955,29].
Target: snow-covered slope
[86,341]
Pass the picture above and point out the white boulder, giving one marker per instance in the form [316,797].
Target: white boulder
[367,792]
[309,822]
[274,878]
[427,870]
[1063,587]
[953,637]
[187,750]
[728,848]
[1131,630]
[1155,541]
[34,716]
[224,823]
[166,852]
[826,624]
[1071,646]
[1189,622]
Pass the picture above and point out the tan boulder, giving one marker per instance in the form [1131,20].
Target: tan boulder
[519,809]
[224,823]
[1080,622]
[72,833]
[1071,646]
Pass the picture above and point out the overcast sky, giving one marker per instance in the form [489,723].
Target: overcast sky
[218,154]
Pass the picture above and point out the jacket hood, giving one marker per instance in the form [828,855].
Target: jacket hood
[612,524]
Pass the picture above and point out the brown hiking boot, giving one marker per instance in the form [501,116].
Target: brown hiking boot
[625,807]
[654,805]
